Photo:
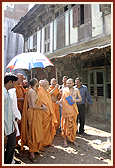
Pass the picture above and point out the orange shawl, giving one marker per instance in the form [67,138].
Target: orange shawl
[55,106]
[48,117]
[69,116]
[68,110]
[20,94]
[33,118]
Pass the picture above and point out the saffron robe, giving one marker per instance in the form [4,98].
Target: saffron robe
[55,106]
[32,129]
[69,116]
[48,117]
[20,94]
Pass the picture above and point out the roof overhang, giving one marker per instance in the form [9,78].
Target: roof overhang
[26,21]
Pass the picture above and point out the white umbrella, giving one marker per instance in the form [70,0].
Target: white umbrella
[29,60]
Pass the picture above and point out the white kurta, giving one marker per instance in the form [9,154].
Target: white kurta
[16,112]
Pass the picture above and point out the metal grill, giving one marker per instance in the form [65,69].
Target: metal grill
[100,91]
[92,91]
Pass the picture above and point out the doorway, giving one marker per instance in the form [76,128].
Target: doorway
[97,91]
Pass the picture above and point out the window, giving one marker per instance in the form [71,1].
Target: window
[92,78]
[92,91]
[81,14]
[60,32]
[65,8]
[34,40]
[47,39]
[99,77]
[73,5]
[100,91]
[57,14]
[75,16]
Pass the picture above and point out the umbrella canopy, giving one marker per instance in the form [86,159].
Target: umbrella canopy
[29,60]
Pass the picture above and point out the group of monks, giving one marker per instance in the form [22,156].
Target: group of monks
[39,106]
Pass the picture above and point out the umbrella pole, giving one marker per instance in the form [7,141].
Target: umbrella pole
[31,73]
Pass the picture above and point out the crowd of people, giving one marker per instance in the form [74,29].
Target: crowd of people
[34,112]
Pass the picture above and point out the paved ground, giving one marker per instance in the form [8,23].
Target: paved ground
[91,149]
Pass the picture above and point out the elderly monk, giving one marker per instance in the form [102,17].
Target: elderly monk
[55,95]
[40,82]
[48,116]
[25,85]
[20,100]
[20,92]
[69,112]
[32,129]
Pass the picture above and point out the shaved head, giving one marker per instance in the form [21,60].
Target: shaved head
[45,84]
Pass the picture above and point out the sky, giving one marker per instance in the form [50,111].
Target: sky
[30,5]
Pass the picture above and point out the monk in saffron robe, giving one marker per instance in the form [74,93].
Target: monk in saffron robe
[25,85]
[32,129]
[20,92]
[20,100]
[69,112]
[48,116]
[55,95]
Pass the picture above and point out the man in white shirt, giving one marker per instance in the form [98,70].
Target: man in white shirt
[16,112]
[9,131]
[16,115]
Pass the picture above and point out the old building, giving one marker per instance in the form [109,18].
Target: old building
[13,42]
[77,39]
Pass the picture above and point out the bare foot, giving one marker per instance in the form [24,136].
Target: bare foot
[33,158]
[75,143]
[51,145]
[65,144]
[42,149]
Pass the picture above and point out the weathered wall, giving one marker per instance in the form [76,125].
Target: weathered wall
[13,43]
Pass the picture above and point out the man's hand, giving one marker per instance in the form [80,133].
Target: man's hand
[57,102]
[73,100]
[57,85]
[18,121]
[44,107]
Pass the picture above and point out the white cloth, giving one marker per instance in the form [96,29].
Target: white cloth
[16,112]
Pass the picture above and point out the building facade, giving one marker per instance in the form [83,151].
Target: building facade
[77,39]
[13,42]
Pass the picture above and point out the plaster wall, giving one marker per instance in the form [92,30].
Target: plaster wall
[13,44]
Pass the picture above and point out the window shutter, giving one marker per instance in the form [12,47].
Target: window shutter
[35,40]
[60,32]
[48,32]
[75,16]
[87,12]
